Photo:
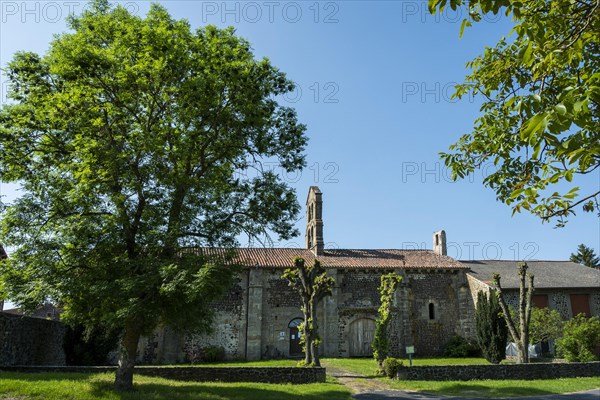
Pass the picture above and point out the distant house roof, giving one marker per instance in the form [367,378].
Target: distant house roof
[548,274]
[342,258]
[46,311]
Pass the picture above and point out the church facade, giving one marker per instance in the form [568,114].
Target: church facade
[258,318]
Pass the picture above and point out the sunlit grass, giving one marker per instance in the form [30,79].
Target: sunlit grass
[495,389]
[61,386]
[483,388]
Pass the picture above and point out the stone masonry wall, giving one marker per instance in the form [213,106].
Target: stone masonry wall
[440,288]
[280,305]
[500,372]
[30,341]
[166,346]
[558,299]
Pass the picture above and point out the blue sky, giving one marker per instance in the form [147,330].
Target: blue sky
[375,79]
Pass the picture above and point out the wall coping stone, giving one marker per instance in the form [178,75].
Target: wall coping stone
[296,375]
[529,371]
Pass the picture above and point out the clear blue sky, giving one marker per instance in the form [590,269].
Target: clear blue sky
[375,80]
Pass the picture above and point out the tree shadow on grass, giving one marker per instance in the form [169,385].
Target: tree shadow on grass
[216,391]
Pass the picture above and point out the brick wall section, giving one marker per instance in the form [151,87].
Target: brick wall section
[293,375]
[500,372]
[30,341]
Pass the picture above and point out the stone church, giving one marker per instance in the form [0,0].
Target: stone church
[259,316]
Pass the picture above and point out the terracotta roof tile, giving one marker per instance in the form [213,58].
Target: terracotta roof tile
[343,258]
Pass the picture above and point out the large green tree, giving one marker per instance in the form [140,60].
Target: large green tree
[132,138]
[586,256]
[540,120]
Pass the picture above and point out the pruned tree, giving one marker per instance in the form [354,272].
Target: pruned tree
[387,287]
[492,333]
[520,332]
[586,256]
[312,284]
[135,139]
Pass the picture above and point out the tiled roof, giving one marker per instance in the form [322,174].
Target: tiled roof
[342,258]
[548,274]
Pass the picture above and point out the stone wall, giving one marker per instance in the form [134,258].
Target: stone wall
[558,299]
[293,375]
[437,291]
[30,341]
[252,321]
[167,346]
[500,372]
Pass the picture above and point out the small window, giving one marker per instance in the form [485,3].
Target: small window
[431,311]
[437,240]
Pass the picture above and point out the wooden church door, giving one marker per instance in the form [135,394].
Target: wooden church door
[362,332]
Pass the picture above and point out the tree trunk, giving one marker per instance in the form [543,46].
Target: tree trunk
[315,333]
[307,348]
[127,356]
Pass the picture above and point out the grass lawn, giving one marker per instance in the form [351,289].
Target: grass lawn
[368,366]
[495,389]
[487,388]
[263,363]
[61,386]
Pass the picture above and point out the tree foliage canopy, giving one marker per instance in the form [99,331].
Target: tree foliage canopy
[540,113]
[586,256]
[133,139]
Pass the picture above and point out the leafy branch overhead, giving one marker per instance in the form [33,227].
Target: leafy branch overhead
[540,122]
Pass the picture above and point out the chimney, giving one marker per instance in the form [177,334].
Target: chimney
[439,243]
[314,221]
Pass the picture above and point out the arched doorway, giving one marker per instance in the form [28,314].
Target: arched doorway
[295,337]
[361,336]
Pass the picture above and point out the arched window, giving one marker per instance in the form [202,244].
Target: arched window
[295,322]
[431,311]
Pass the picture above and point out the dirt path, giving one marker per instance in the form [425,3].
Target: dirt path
[356,382]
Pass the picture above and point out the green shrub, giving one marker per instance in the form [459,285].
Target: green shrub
[213,354]
[492,331]
[581,337]
[391,366]
[459,347]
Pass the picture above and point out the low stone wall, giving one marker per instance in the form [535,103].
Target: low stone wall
[30,341]
[203,374]
[500,372]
